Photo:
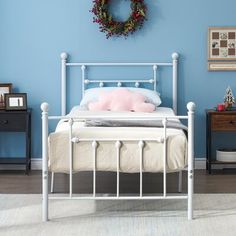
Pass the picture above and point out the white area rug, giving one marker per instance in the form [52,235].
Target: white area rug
[215,214]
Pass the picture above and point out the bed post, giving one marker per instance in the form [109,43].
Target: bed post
[44,108]
[83,67]
[191,109]
[175,57]
[63,83]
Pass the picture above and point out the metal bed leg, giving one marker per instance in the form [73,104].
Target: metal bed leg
[44,108]
[180,183]
[141,145]
[94,146]
[164,122]
[52,182]
[118,146]
[71,121]
[191,109]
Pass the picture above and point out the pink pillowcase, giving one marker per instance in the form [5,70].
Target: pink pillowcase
[121,99]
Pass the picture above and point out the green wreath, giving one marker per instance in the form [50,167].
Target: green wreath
[111,27]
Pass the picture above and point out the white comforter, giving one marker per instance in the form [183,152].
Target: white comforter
[106,152]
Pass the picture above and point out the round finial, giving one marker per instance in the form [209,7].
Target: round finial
[64,55]
[44,107]
[141,144]
[164,122]
[175,56]
[155,67]
[71,121]
[94,144]
[86,81]
[137,84]
[119,84]
[101,84]
[151,81]
[83,67]
[191,106]
[75,140]
[118,144]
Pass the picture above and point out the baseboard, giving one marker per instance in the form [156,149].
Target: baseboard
[200,164]
[36,164]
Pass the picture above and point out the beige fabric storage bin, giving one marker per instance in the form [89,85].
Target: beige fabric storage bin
[227,155]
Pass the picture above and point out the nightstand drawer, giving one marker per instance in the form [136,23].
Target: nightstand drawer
[223,122]
[12,122]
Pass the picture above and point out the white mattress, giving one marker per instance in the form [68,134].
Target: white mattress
[106,152]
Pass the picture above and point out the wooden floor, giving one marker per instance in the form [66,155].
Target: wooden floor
[17,182]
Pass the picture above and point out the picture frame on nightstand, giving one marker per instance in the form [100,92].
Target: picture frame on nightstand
[4,89]
[16,101]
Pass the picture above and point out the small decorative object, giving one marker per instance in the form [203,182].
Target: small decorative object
[16,101]
[222,47]
[221,107]
[111,27]
[4,88]
[229,98]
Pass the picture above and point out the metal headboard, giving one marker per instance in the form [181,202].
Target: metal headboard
[101,83]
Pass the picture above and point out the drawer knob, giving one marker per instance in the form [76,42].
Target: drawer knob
[4,122]
[231,122]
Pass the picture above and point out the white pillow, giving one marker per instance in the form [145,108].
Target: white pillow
[92,95]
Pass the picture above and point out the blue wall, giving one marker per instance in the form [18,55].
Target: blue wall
[34,33]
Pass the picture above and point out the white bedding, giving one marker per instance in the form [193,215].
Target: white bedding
[106,152]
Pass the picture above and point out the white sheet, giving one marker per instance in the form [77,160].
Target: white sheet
[80,112]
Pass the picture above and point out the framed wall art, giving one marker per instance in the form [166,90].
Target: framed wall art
[222,66]
[222,43]
[4,88]
[16,101]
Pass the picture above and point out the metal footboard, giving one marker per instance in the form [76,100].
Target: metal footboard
[117,145]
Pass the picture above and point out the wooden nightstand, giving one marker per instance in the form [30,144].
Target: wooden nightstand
[217,122]
[17,121]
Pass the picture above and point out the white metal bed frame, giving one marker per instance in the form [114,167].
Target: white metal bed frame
[94,143]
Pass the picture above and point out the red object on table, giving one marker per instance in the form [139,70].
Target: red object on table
[221,107]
